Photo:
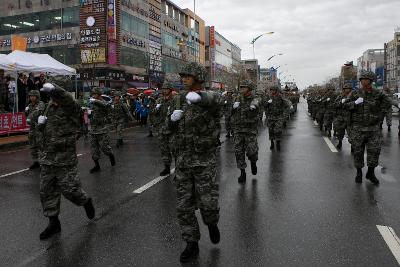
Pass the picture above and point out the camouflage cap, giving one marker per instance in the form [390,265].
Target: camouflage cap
[34,93]
[196,70]
[117,93]
[247,83]
[369,75]
[96,90]
[168,85]
[347,86]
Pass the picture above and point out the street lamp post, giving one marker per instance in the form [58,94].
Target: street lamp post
[274,56]
[255,39]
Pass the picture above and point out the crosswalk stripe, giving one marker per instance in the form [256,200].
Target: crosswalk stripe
[12,173]
[151,183]
[330,145]
[391,240]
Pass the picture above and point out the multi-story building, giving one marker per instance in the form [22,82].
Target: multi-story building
[252,69]
[392,62]
[223,60]
[115,43]
[372,60]
[268,78]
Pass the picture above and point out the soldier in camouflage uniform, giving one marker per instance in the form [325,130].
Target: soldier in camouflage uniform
[276,109]
[388,114]
[245,118]
[195,123]
[366,107]
[59,124]
[162,108]
[341,117]
[227,110]
[99,122]
[120,113]
[32,112]
[329,102]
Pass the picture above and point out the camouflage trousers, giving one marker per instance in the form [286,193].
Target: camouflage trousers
[328,120]
[98,143]
[57,180]
[196,187]
[245,143]
[228,125]
[339,126]
[275,129]
[165,147]
[34,144]
[320,117]
[388,117]
[371,141]
[119,126]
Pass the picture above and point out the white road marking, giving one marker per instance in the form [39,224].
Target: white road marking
[315,123]
[79,155]
[391,240]
[12,173]
[330,145]
[151,183]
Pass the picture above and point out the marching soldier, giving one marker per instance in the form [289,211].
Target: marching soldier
[329,102]
[99,122]
[195,123]
[366,107]
[276,109]
[59,124]
[388,115]
[228,102]
[120,113]
[32,112]
[245,118]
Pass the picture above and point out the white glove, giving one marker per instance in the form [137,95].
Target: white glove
[291,107]
[158,106]
[28,121]
[359,100]
[253,107]
[89,112]
[319,100]
[270,101]
[112,106]
[42,119]
[91,100]
[343,100]
[47,87]
[177,115]
[226,102]
[328,99]
[236,105]
[193,98]
[27,109]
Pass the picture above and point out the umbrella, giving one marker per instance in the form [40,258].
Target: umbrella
[133,91]
[148,92]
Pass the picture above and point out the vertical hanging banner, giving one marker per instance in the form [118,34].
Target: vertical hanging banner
[112,32]
[18,43]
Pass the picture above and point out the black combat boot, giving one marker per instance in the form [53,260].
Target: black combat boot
[228,135]
[119,143]
[329,133]
[371,176]
[278,145]
[359,176]
[53,228]
[215,236]
[272,145]
[89,209]
[321,127]
[339,145]
[254,167]
[34,165]
[150,134]
[96,167]
[166,171]
[242,177]
[112,159]
[352,150]
[389,128]
[191,252]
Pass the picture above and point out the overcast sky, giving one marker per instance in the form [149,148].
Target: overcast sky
[316,36]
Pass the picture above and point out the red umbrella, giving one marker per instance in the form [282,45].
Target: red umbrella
[148,92]
[133,91]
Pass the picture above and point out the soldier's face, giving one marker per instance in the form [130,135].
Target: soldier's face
[366,83]
[33,99]
[244,90]
[346,91]
[117,98]
[97,96]
[167,92]
[274,92]
[188,81]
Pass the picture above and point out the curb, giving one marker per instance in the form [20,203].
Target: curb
[14,145]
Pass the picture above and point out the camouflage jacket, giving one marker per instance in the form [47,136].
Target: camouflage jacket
[160,115]
[329,102]
[278,109]
[341,112]
[100,117]
[120,112]
[59,133]
[367,116]
[194,136]
[33,114]
[244,119]
[227,108]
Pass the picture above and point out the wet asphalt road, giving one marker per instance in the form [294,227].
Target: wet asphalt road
[302,209]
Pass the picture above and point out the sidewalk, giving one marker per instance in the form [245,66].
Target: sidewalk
[13,141]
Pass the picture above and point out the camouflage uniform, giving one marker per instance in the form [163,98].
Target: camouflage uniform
[32,113]
[276,113]
[100,126]
[365,119]
[58,157]
[195,137]
[245,127]
[119,114]
[329,102]
[388,115]
[227,110]
[341,117]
